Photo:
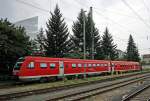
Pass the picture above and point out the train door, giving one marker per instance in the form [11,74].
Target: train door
[61,68]
[109,67]
[112,67]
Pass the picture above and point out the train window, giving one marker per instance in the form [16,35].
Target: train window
[43,65]
[31,65]
[105,65]
[79,65]
[89,65]
[52,65]
[101,65]
[85,65]
[94,65]
[113,65]
[73,65]
[97,64]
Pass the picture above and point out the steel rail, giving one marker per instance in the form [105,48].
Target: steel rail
[136,92]
[46,90]
[88,93]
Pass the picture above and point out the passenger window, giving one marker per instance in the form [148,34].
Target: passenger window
[97,64]
[94,65]
[73,65]
[31,65]
[105,65]
[43,65]
[90,65]
[79,65]
[85,65]
[52,65]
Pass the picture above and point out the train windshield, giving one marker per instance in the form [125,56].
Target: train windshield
[18,64]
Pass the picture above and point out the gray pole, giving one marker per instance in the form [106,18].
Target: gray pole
[84,41]
[92,34]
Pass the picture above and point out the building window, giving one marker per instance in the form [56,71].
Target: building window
[43,65]
[73,65]
[52,65]
[31,65]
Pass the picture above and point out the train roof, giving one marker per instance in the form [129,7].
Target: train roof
[78,60]
[61,59]
[125,62]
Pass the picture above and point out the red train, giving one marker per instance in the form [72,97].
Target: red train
[41,68]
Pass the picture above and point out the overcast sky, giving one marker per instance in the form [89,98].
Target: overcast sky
[122,17]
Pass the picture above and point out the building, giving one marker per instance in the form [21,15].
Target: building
[146,58]
[30,25]
[146,61]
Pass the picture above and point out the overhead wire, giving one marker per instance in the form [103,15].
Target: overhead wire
[31,5]
[41,9]
[148,10]
[140,18]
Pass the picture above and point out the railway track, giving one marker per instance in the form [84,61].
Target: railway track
[12,84]
[142,93]
[55,89]
[80,95]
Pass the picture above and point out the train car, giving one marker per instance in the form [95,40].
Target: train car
[38,68]
[125,66]
[32,68]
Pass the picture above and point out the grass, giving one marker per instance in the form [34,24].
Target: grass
[65,83]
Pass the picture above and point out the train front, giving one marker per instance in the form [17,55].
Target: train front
[16,69]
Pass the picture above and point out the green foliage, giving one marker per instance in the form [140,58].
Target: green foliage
[77,37]
[77,29]
[14,43]
[108,48]
[132,51]
[57,42]
[40,42]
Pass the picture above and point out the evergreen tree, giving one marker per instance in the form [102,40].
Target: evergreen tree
[132,51]
[14,43]
[41,41]
[94,35]
[78,33]
[57,42]
[77,29]
[108,48]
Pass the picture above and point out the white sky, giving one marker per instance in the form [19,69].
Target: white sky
[121,19]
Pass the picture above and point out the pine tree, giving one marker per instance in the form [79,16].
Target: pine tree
[90,34]
[14,43]
[77,29]
[57,41]
[108,48]
[41,41]
[78,33]
[132,51]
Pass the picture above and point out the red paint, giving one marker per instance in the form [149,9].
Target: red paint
[92,66]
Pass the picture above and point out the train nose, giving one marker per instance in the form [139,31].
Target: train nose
[15,75]
[16,72]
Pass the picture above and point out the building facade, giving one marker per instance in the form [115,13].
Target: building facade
[146,58]
[30,25]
